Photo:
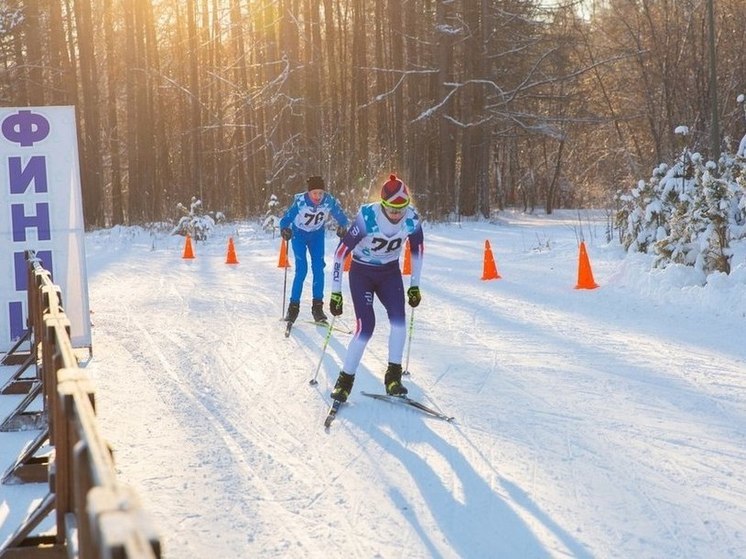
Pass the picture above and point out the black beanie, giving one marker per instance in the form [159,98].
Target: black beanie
[315,182]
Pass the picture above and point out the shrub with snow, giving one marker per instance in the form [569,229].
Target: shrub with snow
[693,213]
[196,222]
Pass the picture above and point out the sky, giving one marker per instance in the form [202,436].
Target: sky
[603,423]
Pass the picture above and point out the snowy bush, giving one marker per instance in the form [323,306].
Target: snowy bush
[691,213]
[195,222]
[271,221]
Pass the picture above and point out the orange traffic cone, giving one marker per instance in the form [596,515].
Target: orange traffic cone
[489,269]
[407,268]
[231,256]
[188,252]
[585,275]
[283,262]
[348,262]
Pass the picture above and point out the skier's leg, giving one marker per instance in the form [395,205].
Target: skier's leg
[361,289]
[301,267]
[391,294]
[316,251]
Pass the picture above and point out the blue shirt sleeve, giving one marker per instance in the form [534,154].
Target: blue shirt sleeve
[290,213]
[338,214]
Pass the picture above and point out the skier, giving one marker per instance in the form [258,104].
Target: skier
[303,225]
[376,238]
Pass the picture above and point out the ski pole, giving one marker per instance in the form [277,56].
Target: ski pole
[329,330]
[284,293]
[409,340]
[345,326]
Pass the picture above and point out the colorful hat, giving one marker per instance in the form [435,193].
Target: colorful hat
[394,193]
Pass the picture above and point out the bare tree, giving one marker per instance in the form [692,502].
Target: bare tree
[478,104]
[115,213]
[92,169]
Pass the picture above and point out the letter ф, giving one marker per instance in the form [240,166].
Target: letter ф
[25,128]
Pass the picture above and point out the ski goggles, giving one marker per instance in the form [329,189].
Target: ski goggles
[395,207]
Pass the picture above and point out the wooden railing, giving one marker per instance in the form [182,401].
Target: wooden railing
[95,515]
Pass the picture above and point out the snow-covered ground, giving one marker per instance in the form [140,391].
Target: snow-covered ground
[605,423]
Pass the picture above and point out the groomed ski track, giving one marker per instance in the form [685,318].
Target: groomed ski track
[582,430]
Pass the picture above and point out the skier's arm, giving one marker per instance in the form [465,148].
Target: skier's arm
[338,214]
[290,214]
[417,250]
[346,244]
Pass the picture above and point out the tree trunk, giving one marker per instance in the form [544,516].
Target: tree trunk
[445,193]
[115,213]
[358,114]
[62,74]
[195,98]
[91,171]
[313,68]
[34,63]
[241,113]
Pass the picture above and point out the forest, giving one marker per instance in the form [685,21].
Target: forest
[477,104]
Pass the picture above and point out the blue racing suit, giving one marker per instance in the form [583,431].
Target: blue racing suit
[307,222]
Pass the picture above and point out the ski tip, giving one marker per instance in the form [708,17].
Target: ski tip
[333,409]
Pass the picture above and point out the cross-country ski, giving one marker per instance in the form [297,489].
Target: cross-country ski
[407,401]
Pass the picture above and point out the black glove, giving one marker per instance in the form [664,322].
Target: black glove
[413,294]
[341,231]
[335,304]
[286,233]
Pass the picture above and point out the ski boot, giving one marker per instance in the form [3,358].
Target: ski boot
[343,387]
[392,380]
[317,310]
[293,310]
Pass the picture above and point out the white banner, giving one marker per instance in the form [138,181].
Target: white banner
[41,210]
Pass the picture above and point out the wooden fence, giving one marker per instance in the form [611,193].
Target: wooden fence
[95,515]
